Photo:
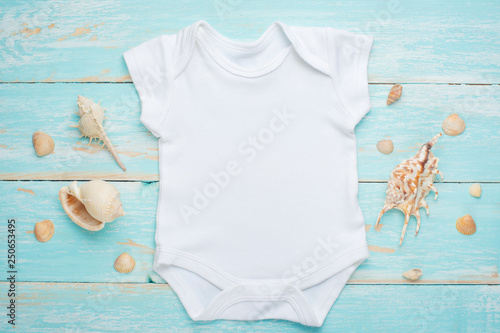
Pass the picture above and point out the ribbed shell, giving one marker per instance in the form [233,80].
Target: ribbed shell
[466,225]
[124,263]
[43,143]
[44,230]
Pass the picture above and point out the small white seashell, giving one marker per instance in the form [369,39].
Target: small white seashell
[385,146]
[124,263]
[44,230]
[475,190]
[413,274]
[91,205]
[43,143]
[453,125]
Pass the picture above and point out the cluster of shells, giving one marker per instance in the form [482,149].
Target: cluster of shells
[412,180]
[94,203]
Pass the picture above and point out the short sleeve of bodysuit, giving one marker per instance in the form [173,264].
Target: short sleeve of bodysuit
[348,55]
[150,68]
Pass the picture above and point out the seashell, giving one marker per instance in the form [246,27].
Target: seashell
[44,230]
[453,125]
[466,225]
[43,143]
[413,274]
[91,205]
[410,182]
[394,94]
[385,146]
[124,263]
[475,190]
[90,125]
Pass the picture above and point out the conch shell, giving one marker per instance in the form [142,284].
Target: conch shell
[394,94]
[90,124]
[91,205]
[410,182]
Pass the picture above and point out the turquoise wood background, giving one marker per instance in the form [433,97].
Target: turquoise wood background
[444,53]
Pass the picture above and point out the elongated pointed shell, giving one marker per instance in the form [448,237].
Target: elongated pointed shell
[410,183]
[394,94]
[124,263]
[43,143]
[413,274]
[92,204]
[466,225]
[44,230]
[90,125]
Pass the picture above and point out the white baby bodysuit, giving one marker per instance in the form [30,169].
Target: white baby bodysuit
[258,215]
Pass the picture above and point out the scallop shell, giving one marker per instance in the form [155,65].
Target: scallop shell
[466,225]
[91,205]
[124,263]
[43,143]
[385,146]
[44,230]
[90,125]
[453,125]
[475,190]
[413,274]
[394,94]
[410,182]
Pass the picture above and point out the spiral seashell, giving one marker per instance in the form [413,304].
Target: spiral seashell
[413,274]
[453,125]
[475,190]
[394,94]
[410,183]
[385,146]
[43,143]
[90,125]
[124,263]
[466,225]
[91,205]
[44,230]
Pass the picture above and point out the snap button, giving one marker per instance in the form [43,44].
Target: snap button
[238,290]
[263,290]
[289,290]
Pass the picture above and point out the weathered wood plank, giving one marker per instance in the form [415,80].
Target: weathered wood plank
[84,307]
[77,255]
[418,41]
[411,121]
